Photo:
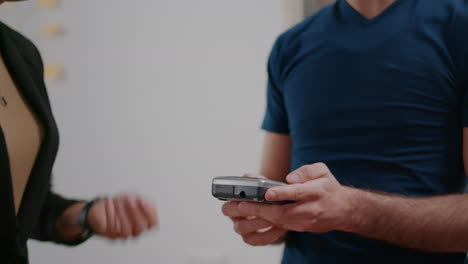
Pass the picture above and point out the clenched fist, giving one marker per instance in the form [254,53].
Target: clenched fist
[119,217]
[122,217]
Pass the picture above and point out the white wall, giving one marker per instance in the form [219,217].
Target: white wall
[292,12]
[159,97]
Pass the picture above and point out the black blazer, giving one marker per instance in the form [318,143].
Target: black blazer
[40,207]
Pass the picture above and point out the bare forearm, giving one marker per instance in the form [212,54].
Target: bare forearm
[438,224]
[276,157]
[68,224]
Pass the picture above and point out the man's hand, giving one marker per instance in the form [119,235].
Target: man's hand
[433,224]
[254,231]
[122,217]
[322,204]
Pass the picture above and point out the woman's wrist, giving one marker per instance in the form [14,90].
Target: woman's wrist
[68,225]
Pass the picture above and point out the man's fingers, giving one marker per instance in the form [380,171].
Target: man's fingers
[253,175]
[311,190]
[307,173]
[235,219]
[245,226]
[231,209]
[265,238]
[271,213]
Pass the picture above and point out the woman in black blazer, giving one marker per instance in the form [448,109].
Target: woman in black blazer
[35,211]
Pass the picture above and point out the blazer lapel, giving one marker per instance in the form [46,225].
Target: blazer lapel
[39,179]
[22,77]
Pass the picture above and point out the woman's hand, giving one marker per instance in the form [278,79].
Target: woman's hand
[122,217]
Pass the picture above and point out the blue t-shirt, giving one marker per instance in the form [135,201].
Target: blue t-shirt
[381,102]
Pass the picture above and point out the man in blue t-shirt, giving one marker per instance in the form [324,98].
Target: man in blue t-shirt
[367,106]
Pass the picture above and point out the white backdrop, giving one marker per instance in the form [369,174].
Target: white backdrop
[158,98]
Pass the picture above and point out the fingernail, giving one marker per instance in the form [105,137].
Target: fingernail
[271,195]
[243,207]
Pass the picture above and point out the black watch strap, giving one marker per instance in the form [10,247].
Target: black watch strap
[87,230]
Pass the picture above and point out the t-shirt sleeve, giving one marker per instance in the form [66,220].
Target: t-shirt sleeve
[459,45]
[276,118]
[465,103]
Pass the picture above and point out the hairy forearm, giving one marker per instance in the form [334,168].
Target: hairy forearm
[68,225]
[438,224]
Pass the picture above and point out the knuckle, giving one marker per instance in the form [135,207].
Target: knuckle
[320,191]
[313,214]
[293,211]
[298,193]
[322,169]
[278,216]
[225,210]
[302,171]
[318,211]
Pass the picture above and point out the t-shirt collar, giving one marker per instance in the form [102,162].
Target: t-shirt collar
[350,15]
